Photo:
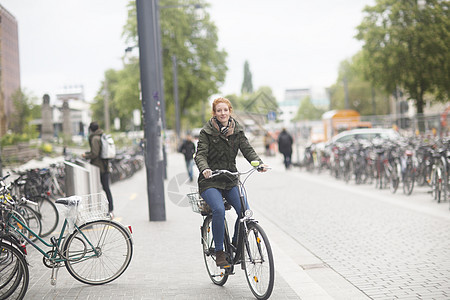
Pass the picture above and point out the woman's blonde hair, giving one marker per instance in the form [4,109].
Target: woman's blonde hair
[221,100]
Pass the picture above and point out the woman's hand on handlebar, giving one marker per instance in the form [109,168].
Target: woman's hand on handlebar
[207,173]
[263,168]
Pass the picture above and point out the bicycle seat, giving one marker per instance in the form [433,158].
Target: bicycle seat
[69,201]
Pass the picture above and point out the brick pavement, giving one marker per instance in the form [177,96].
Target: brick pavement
[167,261]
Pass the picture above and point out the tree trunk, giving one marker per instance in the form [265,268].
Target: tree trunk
[420,115]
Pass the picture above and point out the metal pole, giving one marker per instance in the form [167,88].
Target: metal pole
[106,107]
[161,85]
[175,97]
[151,105]
[346,93]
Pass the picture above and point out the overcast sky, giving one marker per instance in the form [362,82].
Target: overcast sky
[288,43]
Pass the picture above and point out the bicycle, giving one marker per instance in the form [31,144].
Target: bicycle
[253,251]
[96,250]
[14,271]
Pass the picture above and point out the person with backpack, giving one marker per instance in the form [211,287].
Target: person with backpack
[188,149]
[285,147]
[95,157]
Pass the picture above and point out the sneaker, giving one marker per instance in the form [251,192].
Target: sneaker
[221,259]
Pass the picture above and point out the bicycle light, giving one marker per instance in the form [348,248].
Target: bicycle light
[248,213]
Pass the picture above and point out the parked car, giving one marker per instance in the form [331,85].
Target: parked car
[365,134]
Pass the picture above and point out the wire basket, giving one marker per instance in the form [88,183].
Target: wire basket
[198,205]
[92,207]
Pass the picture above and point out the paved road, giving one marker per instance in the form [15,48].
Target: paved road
[330,240]
[388,246]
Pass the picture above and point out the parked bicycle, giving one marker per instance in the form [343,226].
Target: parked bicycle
[96,250]
[252,252]
[14,273]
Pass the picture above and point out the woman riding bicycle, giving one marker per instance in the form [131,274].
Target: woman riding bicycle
[218,145]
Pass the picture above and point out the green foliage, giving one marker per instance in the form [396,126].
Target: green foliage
[308,111]
[46,148]
[201,65]
[407,47]
[121,87]
[247,85]
[23,112]
[362,96]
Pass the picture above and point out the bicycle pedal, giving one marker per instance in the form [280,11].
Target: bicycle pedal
[225,267]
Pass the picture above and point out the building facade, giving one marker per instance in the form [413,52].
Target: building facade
[9,66]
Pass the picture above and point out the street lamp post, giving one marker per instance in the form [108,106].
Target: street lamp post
[150,65]
[175,97]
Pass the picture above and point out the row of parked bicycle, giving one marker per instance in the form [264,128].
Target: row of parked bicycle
[387,163]
[28,213]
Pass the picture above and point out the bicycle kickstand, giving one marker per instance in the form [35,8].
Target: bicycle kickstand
[54,273]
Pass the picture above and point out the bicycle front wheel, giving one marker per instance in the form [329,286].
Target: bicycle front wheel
[14,277]
[258,262]
[218,276]
[98,252]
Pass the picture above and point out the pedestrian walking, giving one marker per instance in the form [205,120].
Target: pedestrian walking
[188,149]
[219,142]
[95,144]
[285,147]
[268,140]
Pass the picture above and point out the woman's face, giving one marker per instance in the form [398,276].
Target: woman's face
[222,113]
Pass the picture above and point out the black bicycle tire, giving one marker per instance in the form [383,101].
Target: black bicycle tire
[22,273]
[35,215]
[52,214]
[208,250]
[408,182]
[251,226]
[89,226]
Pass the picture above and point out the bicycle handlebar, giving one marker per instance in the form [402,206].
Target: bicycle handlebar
[218,172]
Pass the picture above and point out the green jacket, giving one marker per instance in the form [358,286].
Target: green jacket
[216,151]
[96,147]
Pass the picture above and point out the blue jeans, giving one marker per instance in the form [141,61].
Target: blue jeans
[190,170]
[214,198]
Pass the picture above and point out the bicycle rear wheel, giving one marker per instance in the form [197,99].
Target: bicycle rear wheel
[408,181]
[14,277]
[99,252]
[32,219]
[48,213]
[258,262]
[217,275]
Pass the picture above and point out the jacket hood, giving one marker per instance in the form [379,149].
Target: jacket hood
[97,132]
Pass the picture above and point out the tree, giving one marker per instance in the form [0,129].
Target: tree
[308,111]
[407,46]
[362,95]
[247,85]
[200,64]
[23,112]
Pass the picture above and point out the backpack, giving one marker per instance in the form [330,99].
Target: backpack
[108,150]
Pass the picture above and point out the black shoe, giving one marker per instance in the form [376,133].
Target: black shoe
[221,259]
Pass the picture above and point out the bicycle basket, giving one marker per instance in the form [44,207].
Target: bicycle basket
[198,205]
[92,207]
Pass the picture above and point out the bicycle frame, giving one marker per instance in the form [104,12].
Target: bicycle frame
[244,217]
[55,247]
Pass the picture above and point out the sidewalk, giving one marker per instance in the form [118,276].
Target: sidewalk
[167,261]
